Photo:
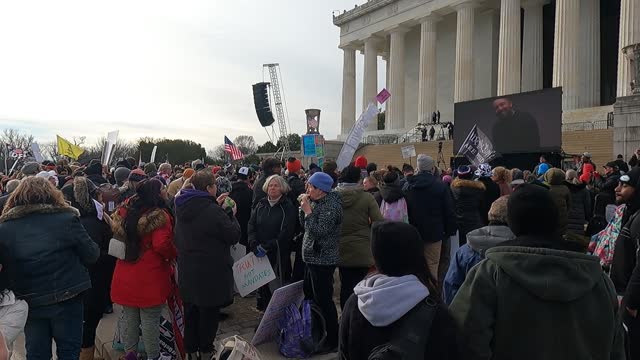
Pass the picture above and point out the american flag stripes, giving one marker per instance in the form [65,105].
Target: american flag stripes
[235,153]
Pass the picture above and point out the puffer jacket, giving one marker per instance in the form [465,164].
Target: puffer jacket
[323,227]
[561,196]
[390,193]
[471,253]
[469,197]
[145,282]
[580,210]
[360,210]
[51,251]
[534,298]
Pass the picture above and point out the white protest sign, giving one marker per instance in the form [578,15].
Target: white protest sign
[109,147]
[37,154]
[238,251]
[408,151]
[153,154]
[355,136]
[252,272]
[281,299]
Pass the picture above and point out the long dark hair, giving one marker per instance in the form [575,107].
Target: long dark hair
[148,197]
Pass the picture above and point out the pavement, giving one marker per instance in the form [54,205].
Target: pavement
[243,320]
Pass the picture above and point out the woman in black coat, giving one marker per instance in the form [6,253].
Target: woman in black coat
[205,230]
[270,231]
[83,194]
[383,301]
[469,197]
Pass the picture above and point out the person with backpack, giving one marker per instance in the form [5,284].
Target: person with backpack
[398,308]
[390,198]
[538,296]
[322,217]
[359,210]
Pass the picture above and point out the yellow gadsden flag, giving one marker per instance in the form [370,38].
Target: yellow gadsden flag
[68,149]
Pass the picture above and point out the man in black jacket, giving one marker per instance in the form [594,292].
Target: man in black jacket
[625,272]
[622,166]
[431,211]
[242,194]
[270,166]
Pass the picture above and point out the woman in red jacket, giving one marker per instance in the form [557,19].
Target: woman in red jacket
[142,280]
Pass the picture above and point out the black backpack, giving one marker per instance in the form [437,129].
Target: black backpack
[409,336]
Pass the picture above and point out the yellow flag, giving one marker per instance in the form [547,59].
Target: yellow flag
[68,149]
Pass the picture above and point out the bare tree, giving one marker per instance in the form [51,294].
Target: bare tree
[122,150]
[217,153]
[16,139]
[49,150]
[246,144]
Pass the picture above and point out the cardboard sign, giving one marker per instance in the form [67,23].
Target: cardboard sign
[281,299]
[408,151]
[383,96]
[251,273]
[238,251]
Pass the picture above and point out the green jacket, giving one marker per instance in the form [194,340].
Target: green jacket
[538,303]
[360,210]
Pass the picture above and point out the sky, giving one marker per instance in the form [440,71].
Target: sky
[166,69]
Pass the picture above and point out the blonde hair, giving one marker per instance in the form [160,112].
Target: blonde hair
[572,177]
[501,174]
[35,190]
[284,186]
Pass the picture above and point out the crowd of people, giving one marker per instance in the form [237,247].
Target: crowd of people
[546,265]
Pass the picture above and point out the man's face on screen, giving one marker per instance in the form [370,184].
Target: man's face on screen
[503,107]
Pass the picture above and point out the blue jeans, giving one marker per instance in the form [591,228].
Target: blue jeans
[61,322]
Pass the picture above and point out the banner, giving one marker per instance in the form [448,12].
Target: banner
[68,149]
[37,154]
[355,135]
[268,328]
[477,147]
[153,154]
[252,272]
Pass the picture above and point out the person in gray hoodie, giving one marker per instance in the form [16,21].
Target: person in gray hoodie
[478,241]
[381,300]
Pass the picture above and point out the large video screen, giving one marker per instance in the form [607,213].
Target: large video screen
[520,123]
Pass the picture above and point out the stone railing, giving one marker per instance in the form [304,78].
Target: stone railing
[360,10]
[589,125]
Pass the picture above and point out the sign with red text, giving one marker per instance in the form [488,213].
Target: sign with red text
[251,273]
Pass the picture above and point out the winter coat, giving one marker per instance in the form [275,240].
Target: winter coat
[258,193]
[3,200]
[273,227]
[430,206]
[51,251]
[561,196]
[358,336]
[360,210]
[13,317]
[97,179]
[539,299]
[471,253]
[297,188]
[625,248]
[580,211]
[145,282]
[204,235]
[607,194]
[491,194]
[242,194]
[323,227]
[468,196]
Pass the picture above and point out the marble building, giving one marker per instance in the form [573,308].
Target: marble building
[439,52]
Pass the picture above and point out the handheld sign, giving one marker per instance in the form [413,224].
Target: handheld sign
[251,273]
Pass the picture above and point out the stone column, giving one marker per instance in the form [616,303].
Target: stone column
[348,89]
[629,35]
[590,59]
[427,83]
[463,83]
[532,50]
[509,48]
[370,78]
[565,51]
[395,113]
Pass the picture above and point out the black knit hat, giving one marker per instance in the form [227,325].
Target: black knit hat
[94,168]
[397,248]
[531,211]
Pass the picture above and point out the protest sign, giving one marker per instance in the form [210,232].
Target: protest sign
[238,251]
[252,272]
[355,136]
[408,151]
[153,154]
[280,300]
[109,147]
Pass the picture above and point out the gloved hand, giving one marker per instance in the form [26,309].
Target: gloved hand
[260,251]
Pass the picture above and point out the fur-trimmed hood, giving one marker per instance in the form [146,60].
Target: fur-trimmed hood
[148,222]
[460,183]
[25,210]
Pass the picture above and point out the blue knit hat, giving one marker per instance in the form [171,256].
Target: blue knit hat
[322,181]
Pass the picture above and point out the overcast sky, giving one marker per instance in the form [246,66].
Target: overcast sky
[175,69]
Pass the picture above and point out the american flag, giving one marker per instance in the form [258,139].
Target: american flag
[236,154]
